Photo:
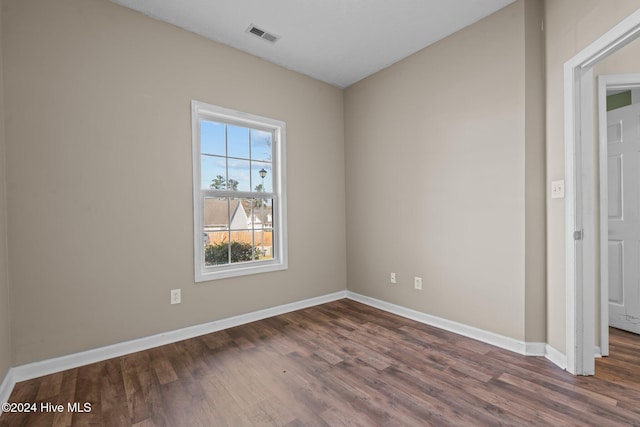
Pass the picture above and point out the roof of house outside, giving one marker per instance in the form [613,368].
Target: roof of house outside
[216,212]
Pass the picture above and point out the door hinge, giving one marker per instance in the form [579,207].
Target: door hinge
[577,235]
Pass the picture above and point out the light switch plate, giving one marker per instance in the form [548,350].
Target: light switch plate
[557,189]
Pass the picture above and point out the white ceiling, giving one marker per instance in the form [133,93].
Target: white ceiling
[336,41]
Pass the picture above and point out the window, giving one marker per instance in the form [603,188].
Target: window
[238,193]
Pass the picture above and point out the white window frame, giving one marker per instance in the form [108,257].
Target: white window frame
[201,110]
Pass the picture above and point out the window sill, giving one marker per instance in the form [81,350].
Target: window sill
[237,270]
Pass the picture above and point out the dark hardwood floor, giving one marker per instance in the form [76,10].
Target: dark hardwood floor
[338,364]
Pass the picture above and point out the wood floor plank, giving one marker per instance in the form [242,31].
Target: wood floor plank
[338,364]
[582,411]
[50,386]
[67,394]
[136,404]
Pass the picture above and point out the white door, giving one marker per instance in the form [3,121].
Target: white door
[623,175]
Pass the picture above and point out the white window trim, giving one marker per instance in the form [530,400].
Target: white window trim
[280,256]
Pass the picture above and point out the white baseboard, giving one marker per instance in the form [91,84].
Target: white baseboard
[57,364]
[535,348]
[521,347]
[7,386]
[555,356]
[597,352]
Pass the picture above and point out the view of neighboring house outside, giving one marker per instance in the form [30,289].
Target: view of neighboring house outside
[243,227]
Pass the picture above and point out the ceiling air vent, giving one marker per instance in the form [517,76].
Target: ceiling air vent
[262,34]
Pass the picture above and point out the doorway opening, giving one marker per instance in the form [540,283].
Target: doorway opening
[581,228]
[618,93]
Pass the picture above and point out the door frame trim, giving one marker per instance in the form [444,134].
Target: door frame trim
[579,144]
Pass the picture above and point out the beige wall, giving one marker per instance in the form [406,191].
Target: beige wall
[99,175]
[6,359]
[626,60]
[444,178]
[571,25]
[535,203]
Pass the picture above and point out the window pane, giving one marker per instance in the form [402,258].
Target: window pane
[215,233]
[262,214]
[239,179]
[263,228]
[242,248]
[216,251]
[256,210]
[212,138]
[238,141]
[213,173]
[260,145]
[261,184]
[216,214]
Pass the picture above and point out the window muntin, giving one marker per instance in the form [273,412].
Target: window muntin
[239,200]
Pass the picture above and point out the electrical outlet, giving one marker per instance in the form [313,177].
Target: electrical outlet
[393,278]
[417,282]
[176,298]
